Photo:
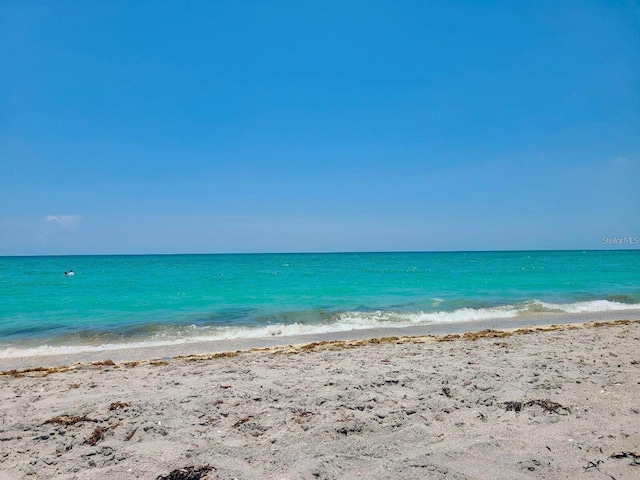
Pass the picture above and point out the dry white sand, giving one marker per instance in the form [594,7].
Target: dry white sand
[558,402]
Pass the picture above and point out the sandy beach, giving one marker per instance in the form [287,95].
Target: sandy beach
[539,402]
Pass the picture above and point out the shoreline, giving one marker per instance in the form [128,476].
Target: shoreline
[552,401]
[140,353]
[314,346]
[164,352]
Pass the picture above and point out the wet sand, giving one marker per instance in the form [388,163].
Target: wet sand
[534,402]
[227,345]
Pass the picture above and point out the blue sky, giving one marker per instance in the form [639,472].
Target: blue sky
[169,127]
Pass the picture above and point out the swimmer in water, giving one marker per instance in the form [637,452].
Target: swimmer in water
[69,273]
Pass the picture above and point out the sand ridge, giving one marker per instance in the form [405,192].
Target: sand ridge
[549,402]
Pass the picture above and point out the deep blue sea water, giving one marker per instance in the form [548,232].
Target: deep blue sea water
[147,299]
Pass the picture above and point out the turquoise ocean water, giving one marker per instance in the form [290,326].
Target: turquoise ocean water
[113,301]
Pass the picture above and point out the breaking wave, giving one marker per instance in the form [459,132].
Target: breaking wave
[166,335]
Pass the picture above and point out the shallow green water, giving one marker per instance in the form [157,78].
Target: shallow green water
[124,299]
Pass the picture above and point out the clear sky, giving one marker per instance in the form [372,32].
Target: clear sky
[277,126]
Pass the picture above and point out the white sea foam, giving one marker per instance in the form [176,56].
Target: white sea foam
[436,301]
[340,322]
[586,307]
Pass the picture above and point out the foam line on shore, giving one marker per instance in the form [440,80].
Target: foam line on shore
[295,349]
[180,335]
[144,352]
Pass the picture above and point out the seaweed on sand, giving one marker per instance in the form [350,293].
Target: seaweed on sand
[546,404]
[188,473]
[69,420]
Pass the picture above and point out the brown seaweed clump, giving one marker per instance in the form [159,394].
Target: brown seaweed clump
[70,420]
[188,473]
[118,405]
[96,436]
[546,404]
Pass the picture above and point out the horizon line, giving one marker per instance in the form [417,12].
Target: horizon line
[319,252]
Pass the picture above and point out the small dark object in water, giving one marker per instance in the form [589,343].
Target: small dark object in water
[188,473]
